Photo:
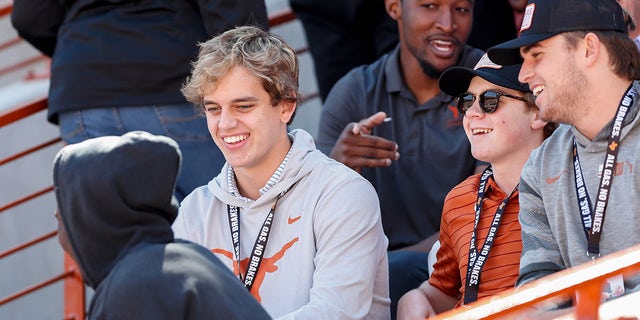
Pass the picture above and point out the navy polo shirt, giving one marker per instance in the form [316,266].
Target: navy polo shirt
[435,154]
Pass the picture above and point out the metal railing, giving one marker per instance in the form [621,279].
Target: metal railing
[72,283]
[582,283]
[74,291]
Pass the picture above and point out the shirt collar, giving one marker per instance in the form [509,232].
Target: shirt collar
[233,187]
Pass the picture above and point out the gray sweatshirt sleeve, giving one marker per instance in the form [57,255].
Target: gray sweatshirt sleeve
[540,252]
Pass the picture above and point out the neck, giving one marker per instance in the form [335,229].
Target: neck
[602,107]
[506,171]
[507,176]
[423,87]
[249,184]
[518,15]
[251,179]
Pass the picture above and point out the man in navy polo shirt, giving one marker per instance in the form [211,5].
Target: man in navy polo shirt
[417,157]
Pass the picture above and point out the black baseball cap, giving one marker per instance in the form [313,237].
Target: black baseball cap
[455,80]
[544,19]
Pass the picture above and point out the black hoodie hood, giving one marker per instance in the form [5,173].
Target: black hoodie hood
[115,193]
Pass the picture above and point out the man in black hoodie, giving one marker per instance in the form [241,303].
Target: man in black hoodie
[115,210]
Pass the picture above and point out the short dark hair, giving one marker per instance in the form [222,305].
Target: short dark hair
[624,56]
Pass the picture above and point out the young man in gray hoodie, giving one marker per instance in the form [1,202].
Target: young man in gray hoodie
[301,231]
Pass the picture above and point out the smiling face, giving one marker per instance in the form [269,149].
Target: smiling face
[508,133]
[248,129]
[433,31]
[550,70]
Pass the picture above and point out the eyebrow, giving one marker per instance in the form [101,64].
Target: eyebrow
[495,88]
[529,47]
[236,100]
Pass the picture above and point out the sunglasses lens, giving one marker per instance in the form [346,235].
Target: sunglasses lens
[489,101]
[465,101]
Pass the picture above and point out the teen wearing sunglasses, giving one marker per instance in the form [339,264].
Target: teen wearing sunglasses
[480,246]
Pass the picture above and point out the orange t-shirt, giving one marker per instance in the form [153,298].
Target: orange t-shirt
[501,269]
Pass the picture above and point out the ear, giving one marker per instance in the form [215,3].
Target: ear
[592,48]
[394,8]
[288,109]
[536,122]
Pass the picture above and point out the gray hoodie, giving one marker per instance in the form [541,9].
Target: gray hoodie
[326,254]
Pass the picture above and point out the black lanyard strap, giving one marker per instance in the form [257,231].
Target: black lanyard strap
[234,225]
[477,258]
[593,216]
[259,246]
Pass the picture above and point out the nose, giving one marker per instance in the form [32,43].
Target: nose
[475,111]
[445,20]
[526,72]
[226,119]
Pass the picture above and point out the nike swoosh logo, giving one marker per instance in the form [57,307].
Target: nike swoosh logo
[293,220]
[552,180]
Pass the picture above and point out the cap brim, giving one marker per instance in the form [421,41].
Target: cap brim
[455,81]
[508,53]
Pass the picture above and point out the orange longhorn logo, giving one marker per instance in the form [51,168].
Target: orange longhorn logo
[454,110]
[268,265]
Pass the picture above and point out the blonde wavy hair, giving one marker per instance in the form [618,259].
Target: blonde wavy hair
[264,54]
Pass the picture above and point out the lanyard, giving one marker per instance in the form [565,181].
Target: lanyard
[478,258]
[593,216]
[258,247]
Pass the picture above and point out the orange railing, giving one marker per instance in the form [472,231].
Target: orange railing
[72,283]
[584,282]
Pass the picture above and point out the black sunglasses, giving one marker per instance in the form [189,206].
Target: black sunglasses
[488,101]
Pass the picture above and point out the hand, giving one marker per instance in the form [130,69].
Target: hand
[414,305]
[357,148]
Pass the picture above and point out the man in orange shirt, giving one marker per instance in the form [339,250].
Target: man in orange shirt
[480,245]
